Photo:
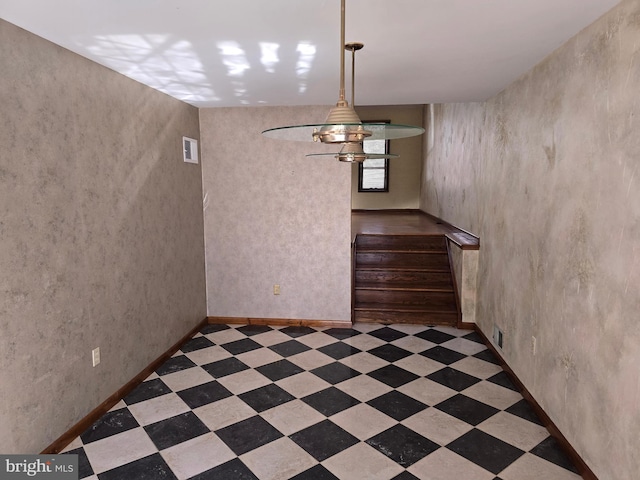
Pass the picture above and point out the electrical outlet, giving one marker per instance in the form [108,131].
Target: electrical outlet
[95,356]
[534,346]
[276,289]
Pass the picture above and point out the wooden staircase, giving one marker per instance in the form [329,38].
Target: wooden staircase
[403,279]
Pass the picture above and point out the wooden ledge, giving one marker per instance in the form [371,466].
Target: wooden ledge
[409,222]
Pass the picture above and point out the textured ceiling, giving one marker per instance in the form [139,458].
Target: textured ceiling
[286,52]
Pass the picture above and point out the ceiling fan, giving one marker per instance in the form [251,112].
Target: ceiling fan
[343,126]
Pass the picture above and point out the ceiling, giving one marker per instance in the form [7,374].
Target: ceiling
[213,53]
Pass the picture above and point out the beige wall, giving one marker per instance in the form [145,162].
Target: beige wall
[274,216]
[404,171]
[100,233]
[547,173]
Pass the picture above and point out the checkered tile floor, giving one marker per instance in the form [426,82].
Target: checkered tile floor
[373,402]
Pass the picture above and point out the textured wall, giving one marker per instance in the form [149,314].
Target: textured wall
[101,239]
[273,216]
[547,174]
[404,171]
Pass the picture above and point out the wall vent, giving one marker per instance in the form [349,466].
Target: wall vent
[190,150]
[498,336]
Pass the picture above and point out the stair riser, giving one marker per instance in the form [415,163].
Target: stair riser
[438,262]
[392,278]
[445,301]
[403,317]
[401,242]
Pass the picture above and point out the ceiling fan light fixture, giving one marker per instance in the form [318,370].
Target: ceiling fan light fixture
[352,152]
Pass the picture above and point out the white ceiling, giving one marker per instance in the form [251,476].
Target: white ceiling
[286,52]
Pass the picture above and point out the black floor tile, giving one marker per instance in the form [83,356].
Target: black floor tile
[397,405]
[474,337]
[387,334]
[241,346]
[488,356]
[503,380]
[172,431]
[467,409]
[339,350]
[247,435]
[111,423]
[266,397]
[232,470]
[405,476]
[294,331]
[435,336]
[335,372]
[390,353]
[550,450]
[148,468]
[482,449]
[330,401]
[393,375]
[250,330]
[84,467]
[278,370]
[317,472]
[175,364]
[225,367]
[452,378]
[203,394]
[443,355]
[403,445]
[522,409]
[323,440]
[196,343]
[342,333]
[213,328]
[147,390]
[287,349]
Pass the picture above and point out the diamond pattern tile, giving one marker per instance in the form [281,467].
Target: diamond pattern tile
[396,402]
[403,445]
[324,439]
[172,431]
[467,409]
[292,347]
[266,397]
[202,394]
[335,372]
[330,401]
[393,376]
[484,450]
[397,405]
[249,434]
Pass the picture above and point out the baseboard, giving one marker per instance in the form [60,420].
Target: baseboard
[466,325]
[66,438]
[555,432]
[280,321]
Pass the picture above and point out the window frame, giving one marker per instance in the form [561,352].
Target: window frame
[361,167]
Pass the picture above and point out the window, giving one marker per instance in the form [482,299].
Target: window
[373,173]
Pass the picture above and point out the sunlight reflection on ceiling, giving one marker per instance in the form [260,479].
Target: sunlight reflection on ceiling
[306,54]
[175,67]
[159,61]
[269,56]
